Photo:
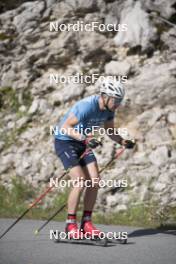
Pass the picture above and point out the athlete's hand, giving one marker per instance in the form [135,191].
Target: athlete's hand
[129,144]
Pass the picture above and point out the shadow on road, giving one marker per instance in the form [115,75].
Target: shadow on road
[151,232]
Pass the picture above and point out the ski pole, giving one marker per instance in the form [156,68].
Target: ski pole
[30,207]
[118,154]
[38,200]
[58,211]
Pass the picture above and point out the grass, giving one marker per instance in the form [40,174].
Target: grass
[12,137]
[8,99]
[10,103]
[15,201]
[12,201]
[4,36]
[134,216]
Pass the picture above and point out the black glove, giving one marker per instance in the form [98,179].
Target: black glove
[93,143]
[129,144]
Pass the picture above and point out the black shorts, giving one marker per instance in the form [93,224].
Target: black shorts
[70,151]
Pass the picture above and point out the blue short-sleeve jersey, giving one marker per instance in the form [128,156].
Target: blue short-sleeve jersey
[89,115]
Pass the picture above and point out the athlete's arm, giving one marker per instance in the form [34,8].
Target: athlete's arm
[68,126]
[109,127]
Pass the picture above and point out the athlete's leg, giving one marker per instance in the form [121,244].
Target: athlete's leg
[89,200]
[91,172]
[76,173]
[69,153]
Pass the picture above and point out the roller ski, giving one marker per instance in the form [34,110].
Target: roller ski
[87,234]
[89,230]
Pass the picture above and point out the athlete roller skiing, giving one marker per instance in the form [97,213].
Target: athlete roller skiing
[95,110]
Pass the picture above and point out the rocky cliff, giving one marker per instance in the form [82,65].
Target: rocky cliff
[30,104]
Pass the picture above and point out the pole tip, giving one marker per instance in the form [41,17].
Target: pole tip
[36,232]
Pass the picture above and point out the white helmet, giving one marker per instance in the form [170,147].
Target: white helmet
[112,87]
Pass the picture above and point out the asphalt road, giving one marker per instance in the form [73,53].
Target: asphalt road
[145,246]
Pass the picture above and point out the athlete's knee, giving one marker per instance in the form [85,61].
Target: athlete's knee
[78,183]
[95,182]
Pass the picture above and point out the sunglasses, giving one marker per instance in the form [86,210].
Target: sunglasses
[116,101]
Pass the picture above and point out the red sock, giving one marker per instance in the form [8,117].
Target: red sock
[87,214]
[71,216]
[70,226]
